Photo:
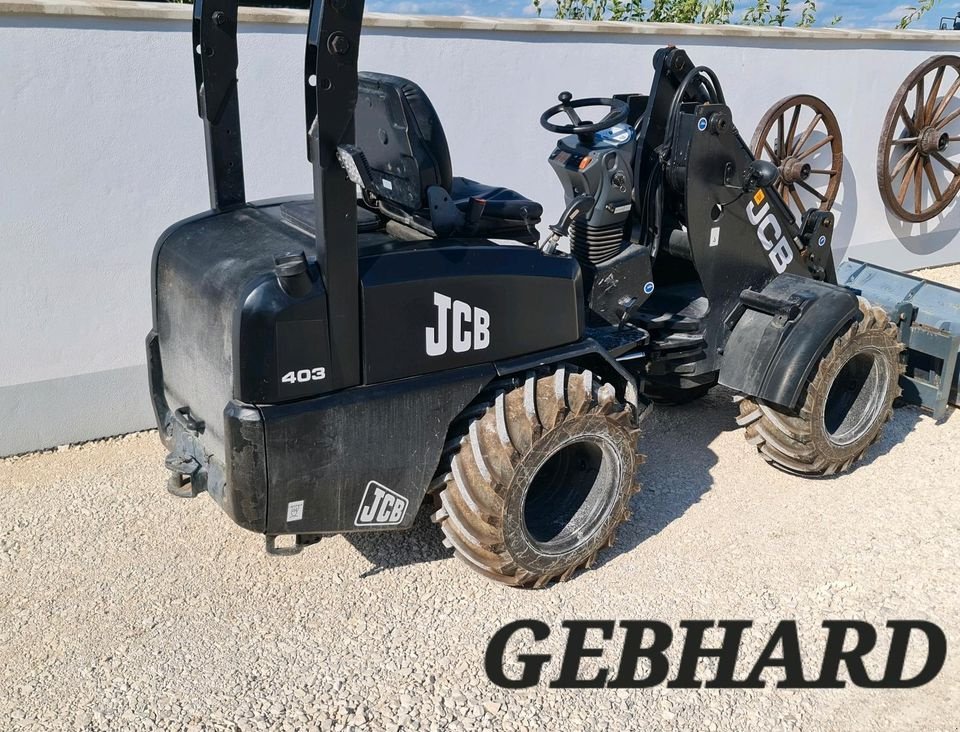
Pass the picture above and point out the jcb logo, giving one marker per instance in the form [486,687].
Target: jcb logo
[769,232]
[465,327]
[380,506]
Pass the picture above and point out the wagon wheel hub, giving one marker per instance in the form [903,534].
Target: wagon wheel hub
[932,140]
[793,170]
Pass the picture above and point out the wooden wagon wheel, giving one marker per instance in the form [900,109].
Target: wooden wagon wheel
[916,177]
[796,134]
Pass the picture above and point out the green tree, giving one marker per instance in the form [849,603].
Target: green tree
[716,12]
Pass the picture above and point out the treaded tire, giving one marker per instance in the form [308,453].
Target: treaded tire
[540,478]
[821,438]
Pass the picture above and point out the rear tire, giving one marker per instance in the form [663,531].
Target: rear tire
[540,480]
[847,402]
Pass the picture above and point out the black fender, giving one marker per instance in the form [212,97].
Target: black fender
[780,334]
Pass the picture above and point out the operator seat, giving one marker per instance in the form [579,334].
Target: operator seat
[401,137]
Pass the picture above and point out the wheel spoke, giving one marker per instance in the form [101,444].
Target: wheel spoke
[905,183]
[903,162]
[932,178]
[918,188]
[824,172]
[918,104]
[781,142]
[809,131]
[944,103]
[810,151]
[773,155]
[932,96]
[811,190]
[793,127]
[948,119]
[796,197]
[908,121]
[905,141]
[947,164]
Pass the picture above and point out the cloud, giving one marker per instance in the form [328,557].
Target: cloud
[407,6]
[892,16]
[548,9]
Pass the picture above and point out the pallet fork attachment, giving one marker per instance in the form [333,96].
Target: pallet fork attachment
[928,317]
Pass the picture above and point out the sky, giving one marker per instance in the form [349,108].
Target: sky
[855,13]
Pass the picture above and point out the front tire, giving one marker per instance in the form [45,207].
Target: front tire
[847,402]
[540,480]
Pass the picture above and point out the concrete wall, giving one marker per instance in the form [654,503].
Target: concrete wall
[101,148]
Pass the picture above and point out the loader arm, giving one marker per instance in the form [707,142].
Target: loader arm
[712,212]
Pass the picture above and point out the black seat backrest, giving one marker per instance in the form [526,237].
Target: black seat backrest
[400,134]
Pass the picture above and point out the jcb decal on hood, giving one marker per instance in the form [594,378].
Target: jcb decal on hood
[468,327]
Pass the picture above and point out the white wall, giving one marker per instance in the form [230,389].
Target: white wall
[101,148]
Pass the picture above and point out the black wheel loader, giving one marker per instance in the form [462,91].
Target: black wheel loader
[324,364]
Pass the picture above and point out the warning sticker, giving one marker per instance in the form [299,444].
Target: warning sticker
[294,511]
[758,197]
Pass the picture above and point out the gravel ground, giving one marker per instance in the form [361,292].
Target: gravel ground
[124,607]
[949,275]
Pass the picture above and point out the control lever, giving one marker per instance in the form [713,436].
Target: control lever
[579,206]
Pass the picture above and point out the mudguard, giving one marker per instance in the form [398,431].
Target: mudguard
[779,335]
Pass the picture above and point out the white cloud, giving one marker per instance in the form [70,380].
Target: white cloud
[548,9]
[892,16]
[407,6]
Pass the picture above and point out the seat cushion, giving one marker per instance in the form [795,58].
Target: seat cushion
[499,202]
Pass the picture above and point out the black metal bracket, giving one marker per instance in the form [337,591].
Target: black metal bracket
[927,381]
[816,235]
[300,543]
[188,478]
[215,72]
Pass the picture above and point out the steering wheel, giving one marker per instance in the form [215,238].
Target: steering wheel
[569,105]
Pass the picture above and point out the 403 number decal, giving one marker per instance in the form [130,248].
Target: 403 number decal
[304,375]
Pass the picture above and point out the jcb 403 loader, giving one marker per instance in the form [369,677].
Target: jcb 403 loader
[324,364]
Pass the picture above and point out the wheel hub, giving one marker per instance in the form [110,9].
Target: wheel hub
[569,496]
[933,140]
[856,398]
[793,170]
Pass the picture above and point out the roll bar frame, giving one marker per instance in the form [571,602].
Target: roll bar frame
[330,98]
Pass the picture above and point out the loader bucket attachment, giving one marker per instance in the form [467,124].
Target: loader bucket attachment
[928,316]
